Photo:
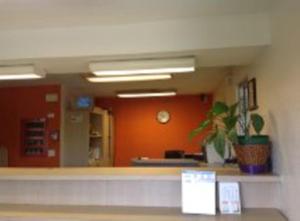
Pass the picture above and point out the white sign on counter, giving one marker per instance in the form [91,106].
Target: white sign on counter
[198,192]
[229,198]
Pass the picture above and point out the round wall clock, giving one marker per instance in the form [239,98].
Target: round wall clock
[163,116]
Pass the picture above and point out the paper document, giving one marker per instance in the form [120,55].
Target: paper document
[229,198]
[198,192]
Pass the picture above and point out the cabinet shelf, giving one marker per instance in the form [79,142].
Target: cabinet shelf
[34,137]
[95,136]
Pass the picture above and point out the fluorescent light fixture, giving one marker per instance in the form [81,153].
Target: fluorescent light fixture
[146,94]
[20,72]
[129,78]
[145,71]
[150,66]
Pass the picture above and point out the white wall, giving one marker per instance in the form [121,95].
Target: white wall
[278,82]
[226,91]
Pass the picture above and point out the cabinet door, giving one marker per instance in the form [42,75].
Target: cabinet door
[76,141]
[105,141]
[111,140]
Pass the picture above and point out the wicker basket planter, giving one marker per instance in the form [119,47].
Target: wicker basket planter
[253,154]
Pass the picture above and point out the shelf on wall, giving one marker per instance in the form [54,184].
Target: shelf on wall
[95,136]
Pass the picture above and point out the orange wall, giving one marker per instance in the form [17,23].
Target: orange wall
[137,132]
[17,103]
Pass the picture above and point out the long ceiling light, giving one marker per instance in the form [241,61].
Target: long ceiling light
[146,94]
[129,78]
[149,66]
[20,72]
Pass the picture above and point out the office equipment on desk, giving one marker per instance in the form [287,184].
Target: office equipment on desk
[229,198]
[198,192]
[174,154]
[195,156]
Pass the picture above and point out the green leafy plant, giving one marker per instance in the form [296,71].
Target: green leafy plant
[222,119]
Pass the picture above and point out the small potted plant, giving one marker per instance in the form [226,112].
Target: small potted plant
[252,151]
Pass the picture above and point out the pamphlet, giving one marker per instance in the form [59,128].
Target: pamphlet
[198,192]
[229,198]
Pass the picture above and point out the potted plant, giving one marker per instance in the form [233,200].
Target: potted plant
[252,150]
[221,120]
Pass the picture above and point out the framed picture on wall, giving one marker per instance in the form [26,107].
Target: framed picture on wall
[252,97]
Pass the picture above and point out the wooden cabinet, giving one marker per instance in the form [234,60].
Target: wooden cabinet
[88,138]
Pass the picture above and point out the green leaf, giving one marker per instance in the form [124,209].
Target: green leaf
[232,136]
[257,123]
[219,108]
[203,125]
[209,139]
[230,122]
[219,143]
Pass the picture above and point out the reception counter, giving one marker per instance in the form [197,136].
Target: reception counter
[96,213]
[126,173]
[81,189]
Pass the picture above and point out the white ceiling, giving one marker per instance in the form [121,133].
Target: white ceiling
[16,14]
[213,62]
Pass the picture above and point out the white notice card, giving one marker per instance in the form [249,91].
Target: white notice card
[198,192]
[229,198]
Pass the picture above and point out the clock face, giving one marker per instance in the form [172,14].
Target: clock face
[163,116]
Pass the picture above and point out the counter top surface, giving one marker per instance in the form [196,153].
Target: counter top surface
[34,212]
[127,173]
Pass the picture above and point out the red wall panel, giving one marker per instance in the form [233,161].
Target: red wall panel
[17,103]
[138,133]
